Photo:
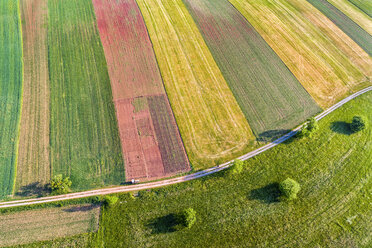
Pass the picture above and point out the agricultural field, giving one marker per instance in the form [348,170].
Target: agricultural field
[328,63]
[212,126]
[151,144]
[352,29]
[364,5]
[11,79]
[268,93]
[33,166]
[332,210]
[45,224]
[84,136]
[355,13]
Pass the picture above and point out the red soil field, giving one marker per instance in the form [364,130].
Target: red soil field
[151,144]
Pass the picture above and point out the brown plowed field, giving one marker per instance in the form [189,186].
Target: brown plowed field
[48,223]
[172,154]
[147,144]
[33,160]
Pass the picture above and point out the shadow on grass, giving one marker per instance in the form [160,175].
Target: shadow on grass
[271,135]
[165,224]
[341,127]
[80,208]
[34,189]
[267,194]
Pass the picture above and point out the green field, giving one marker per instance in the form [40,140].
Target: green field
[359,35]
[364,5]
[11,70]
[332,210]
[269,95]
[84,138]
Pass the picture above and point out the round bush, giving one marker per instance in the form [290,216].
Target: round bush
[188,217]
[289,188]
[110,200]
[358,124]
[236,168]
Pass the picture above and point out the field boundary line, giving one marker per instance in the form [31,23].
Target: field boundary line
[199,174]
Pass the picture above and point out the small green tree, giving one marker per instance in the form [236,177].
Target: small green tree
[187,218]
[312,124]
[358,124]
[309,128]
[60,185]
[110,200]
[289,188]
[236,167]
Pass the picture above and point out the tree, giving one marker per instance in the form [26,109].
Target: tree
[358,124]
[312,124]
[309,128]
[60,185]
[187,218]
[110,200]
[289,188]
[236,167]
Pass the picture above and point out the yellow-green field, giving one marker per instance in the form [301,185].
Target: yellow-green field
[211,123]
[328,63]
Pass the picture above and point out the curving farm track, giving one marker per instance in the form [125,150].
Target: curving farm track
[121,189]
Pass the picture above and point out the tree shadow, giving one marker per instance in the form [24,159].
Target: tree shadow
[34,189]
[84,208]
[165,224]
[271,135]
[267,194]
[341,127]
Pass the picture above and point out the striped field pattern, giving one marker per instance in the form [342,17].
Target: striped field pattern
[84,137]
[358,34]
[135,80]
[328,63]
[268,93]
[212,126]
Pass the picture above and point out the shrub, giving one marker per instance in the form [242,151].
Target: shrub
[60,185]
[237,167]
[187,218]
[358,124]
[110,200]
[312,124]
[289,188]
[309,128]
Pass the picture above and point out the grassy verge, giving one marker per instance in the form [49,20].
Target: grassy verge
[332,209]
[84,137]
[11,77]
[212,126]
